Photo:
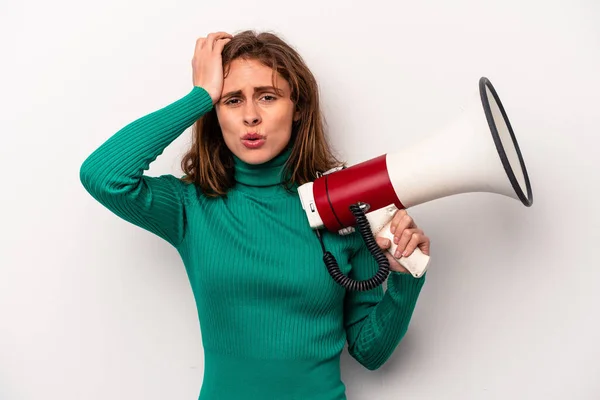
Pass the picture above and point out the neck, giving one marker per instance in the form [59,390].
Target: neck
[262,179]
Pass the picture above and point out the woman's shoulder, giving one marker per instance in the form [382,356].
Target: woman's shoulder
[192,192]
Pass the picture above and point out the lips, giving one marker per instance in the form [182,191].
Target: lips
[252,136]
[253,140]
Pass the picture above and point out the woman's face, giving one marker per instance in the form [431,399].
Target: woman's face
[255,117]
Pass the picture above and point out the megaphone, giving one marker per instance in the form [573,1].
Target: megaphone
[477,152]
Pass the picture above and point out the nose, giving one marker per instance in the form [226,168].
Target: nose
[251,114]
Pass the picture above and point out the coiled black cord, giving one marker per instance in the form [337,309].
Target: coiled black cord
[367,235]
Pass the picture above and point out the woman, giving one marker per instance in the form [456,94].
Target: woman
[273,321]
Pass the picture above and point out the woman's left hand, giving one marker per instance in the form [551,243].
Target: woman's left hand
[408,236]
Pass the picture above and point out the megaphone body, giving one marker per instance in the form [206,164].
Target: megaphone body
[477,152]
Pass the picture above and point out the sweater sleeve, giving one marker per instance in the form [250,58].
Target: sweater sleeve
[376,321]
[114,173]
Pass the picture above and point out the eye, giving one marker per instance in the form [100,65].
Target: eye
[269,97]
[230,101]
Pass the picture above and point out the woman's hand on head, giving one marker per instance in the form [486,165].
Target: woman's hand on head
[207,65]
[408,236]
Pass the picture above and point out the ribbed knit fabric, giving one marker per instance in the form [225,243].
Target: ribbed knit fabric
[273,321]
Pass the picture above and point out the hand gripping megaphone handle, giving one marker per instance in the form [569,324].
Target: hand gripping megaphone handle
[380,222]
[416,263]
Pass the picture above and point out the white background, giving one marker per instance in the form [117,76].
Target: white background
[92,307]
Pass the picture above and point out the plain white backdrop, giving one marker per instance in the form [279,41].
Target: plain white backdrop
[93,308]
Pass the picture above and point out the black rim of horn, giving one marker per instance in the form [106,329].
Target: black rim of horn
[526,199]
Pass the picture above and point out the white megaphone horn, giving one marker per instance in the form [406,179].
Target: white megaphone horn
[477,152]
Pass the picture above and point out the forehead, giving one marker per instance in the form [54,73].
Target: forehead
[247,74]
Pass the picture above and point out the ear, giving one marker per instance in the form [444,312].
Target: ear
[296,116]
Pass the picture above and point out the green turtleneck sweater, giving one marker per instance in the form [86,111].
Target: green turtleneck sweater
[273,321]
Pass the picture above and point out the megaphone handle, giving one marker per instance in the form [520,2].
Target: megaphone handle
[416,263]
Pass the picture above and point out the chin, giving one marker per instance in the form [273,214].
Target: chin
[256,156]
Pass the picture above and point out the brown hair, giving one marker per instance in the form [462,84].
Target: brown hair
[209,162]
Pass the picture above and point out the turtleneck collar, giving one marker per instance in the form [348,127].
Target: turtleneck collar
[262,179]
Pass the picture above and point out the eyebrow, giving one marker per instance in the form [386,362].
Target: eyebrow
[256,89]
